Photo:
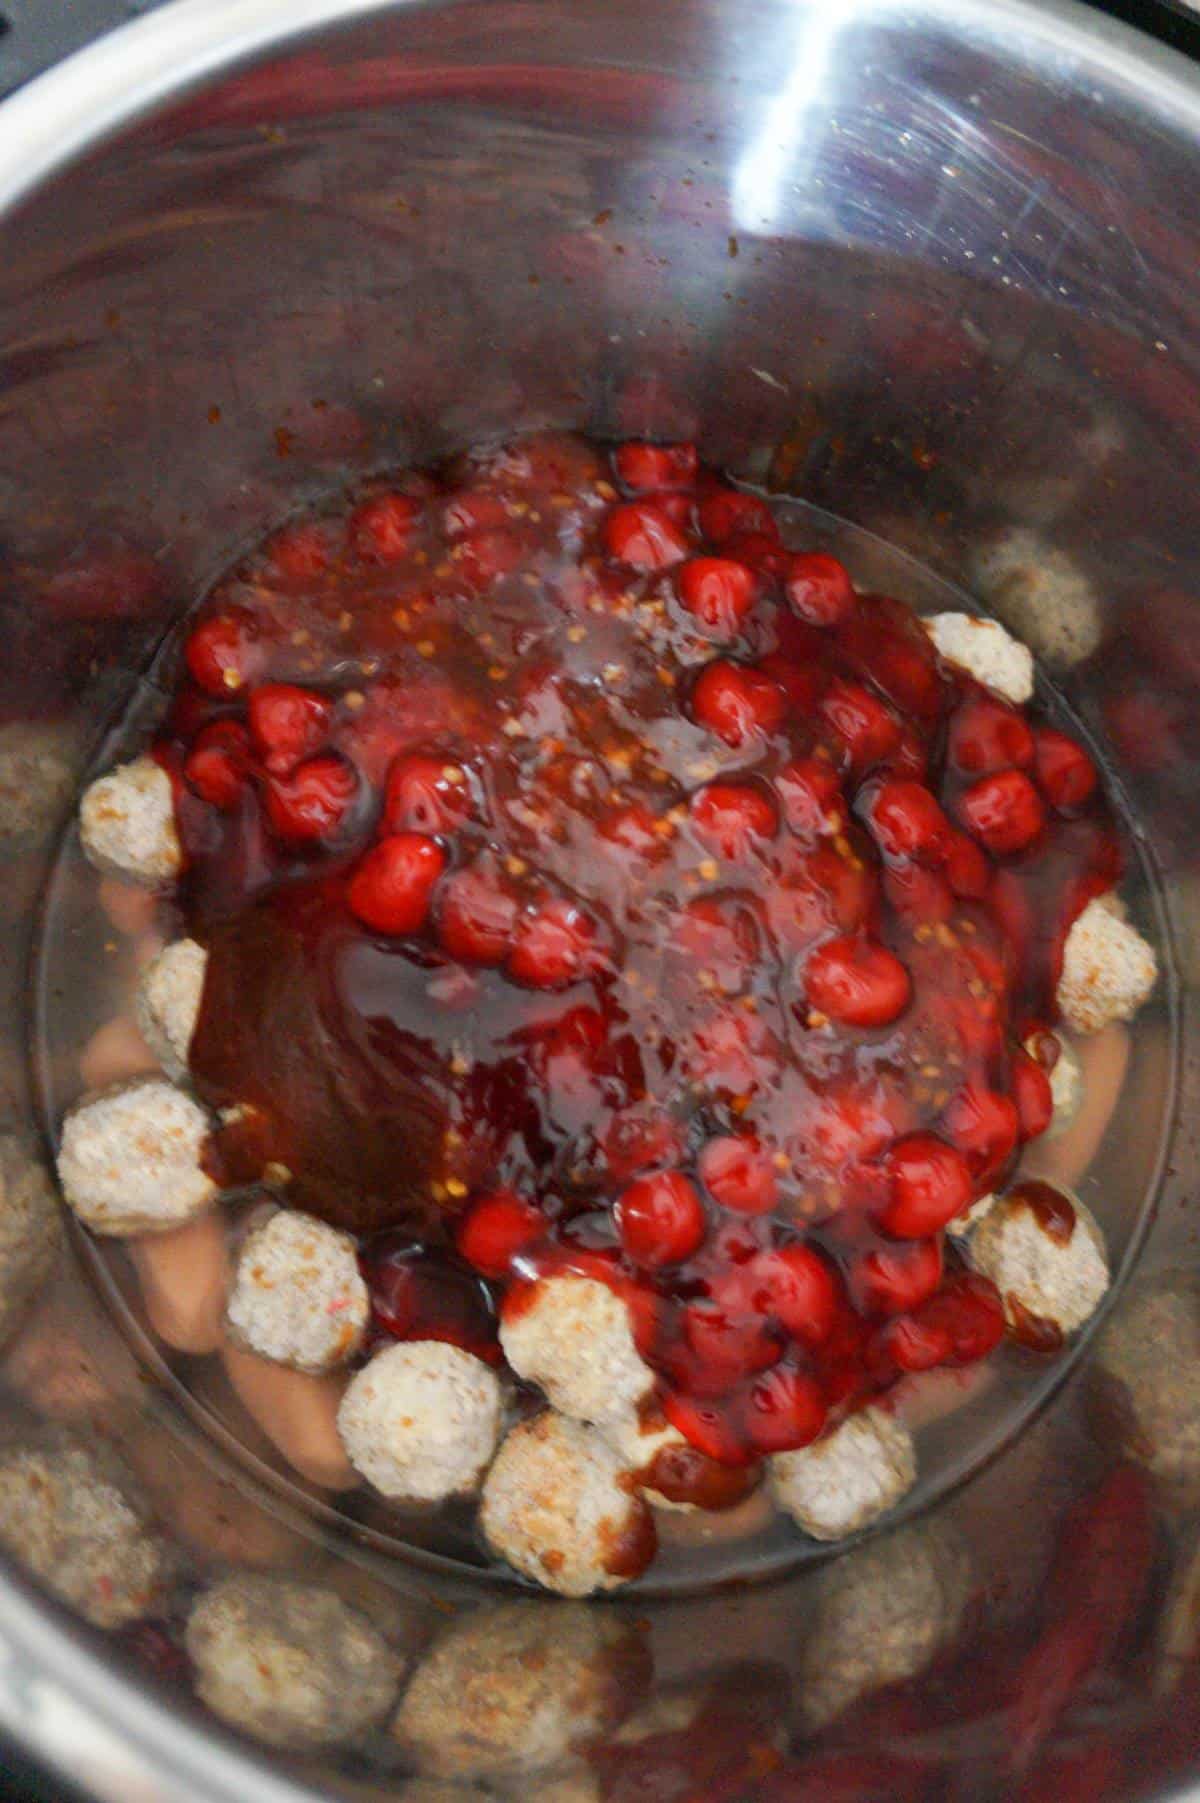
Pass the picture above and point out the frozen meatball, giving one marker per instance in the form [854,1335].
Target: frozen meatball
[130,1158]
[70,1514]
[881,1614]
[421,1421]
[1041,593]
[1035,1270]
[30,1231]
[557,1505]
[1108,970]
[298,1296]
[847,1479]
[573,1337]
[127,824]
[37,780]
[169,1001]
[1066,1085]
[988,653]
[513,1690]
[1149,1355]
[289,1663]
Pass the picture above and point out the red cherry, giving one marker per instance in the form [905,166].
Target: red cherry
[486,556]
[984,1126]
[384,529]
[987,734]
[640,534]
[728,1343]
[425,795]
[225,653]
[645,468]
[719,592]
[760,552]
[476,917]
[1004,812]
[1032,1094]
[392,888]
[906,821]
[552,946]
[1065,772]
[737,702]
[730,511]
[495,1229]
[967,870]
[860,722]
[858,982]
[474,511]
[796,1286]
[216,766]
[420,1295]
[634,829]
[891,1280]
[733,1054]
[313,801]
[930,1183]
[739,1173]
[801,683]
[301,552]
[640,1136]
[706,1426]
[811,797]
[660,1219]
[784,1410]
[289,724]
[819,589]
[733,819]
[962,1323]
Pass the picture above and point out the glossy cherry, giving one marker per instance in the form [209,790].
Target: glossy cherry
[645,469]
[476,917]
[552,945]
[737,702]
[495,1229]
[660,1219]
[733,819]
[313,802]
[392,889]
[929,1183]
[644,536]
[819,589]
[216,767]
[784,1410]
[739,1173]
[730,511]
[425,795]
[1004,812]
[1066,774]
[288,724]
[857,982]
[719,592]
[384,529]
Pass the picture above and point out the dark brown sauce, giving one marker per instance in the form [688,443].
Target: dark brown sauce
[684,1475]
[1034,1332]
[1050,1208]
[629,1551]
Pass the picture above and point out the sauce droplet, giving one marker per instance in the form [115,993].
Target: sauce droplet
[1051,1209]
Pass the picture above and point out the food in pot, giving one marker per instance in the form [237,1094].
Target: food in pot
[421,1421]
[1045,1254]
[512,1690]
[131,1158]
[73,1516]
[30,1231]
[127,824]
[650,952]
[1040,591]
[1149,1360]
[298,1296]
[558,1507]
[288,1662]
[848,1478]
[38,775]
[168,1003]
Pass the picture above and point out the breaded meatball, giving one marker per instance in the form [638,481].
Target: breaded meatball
[1041,593]
[421,1421]
[168,1003]
[963,1225]
[30,1230]
[573,1337]
[558,1506]
[71,1514]
[846,1479]
[298,1296]
[1066,1086]
[127,824]
[1108,969]
[37,780]
[1149,1360]
[1056,1281]
[986,651]
[881,1614]
[289,1663]
[130,1158]
[512,1690]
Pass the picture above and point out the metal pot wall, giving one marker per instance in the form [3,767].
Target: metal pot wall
[930,266]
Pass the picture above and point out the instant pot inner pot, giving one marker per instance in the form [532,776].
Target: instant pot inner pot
[929,278]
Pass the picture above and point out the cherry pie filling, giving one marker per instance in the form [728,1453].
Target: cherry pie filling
[591,883]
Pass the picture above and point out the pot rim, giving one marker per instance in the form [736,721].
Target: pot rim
[97,1726]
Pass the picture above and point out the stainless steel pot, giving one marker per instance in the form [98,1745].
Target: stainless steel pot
[932,266]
